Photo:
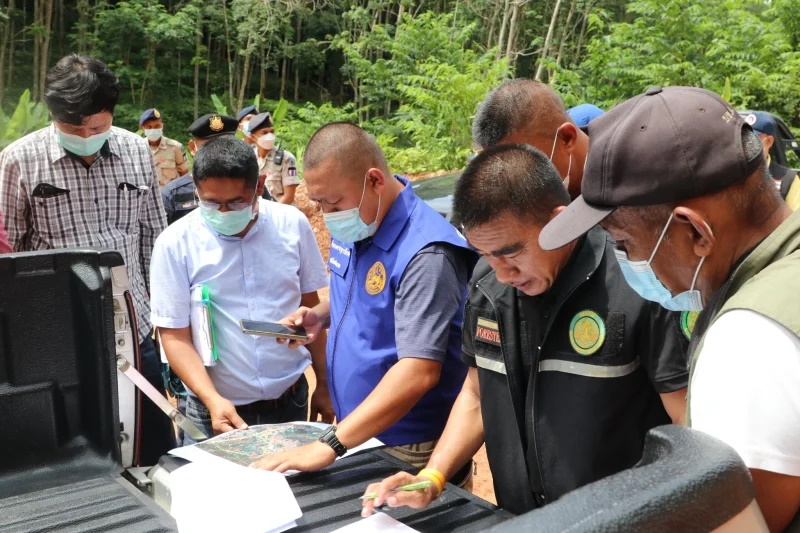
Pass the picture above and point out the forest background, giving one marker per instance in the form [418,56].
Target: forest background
[411,72]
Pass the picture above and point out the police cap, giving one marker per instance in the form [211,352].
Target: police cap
[263,120]
[150,114]
[249,110]
[213,125]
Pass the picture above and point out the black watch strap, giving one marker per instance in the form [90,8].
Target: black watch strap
[329,438]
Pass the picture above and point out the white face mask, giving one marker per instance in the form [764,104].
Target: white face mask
[553,151]
[266,141]
[153,134]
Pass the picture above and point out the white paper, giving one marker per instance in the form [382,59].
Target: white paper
[197,455]
[209,498]
[377,523]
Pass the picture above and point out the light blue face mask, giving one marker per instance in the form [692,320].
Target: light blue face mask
[642,279]
[347,226]
[229,223]
[83,146]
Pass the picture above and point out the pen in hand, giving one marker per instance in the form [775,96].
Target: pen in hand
[422,485]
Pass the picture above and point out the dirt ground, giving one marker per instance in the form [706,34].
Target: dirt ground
[483,479]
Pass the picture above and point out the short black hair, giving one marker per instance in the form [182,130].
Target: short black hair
[348,144]
[80,86]
[516,105]
[508,178]
[226,157]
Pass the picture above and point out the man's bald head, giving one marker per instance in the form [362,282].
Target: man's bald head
[518,106]
[347,146]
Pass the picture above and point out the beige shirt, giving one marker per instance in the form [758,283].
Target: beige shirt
[169,159]
[278,176]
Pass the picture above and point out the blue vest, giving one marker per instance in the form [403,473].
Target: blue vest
[361,343]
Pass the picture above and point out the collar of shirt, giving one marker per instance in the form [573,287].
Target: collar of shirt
[585,258]
[396,218]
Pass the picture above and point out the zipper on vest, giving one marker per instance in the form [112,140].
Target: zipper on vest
[339,329]
[535,497]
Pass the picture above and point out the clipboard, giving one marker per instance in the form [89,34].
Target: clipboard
[202,324]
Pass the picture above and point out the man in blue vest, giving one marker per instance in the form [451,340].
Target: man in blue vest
[398,286]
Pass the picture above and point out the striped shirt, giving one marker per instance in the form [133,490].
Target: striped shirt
[52,200]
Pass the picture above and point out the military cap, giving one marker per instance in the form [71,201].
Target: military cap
[150,114]
[264,120]
[249,110]
[213,125]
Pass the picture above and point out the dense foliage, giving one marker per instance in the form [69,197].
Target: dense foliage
[411,71]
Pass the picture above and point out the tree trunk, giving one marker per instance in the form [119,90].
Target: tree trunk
[400,12]
[512,32]
[584,24]
[228,49]
[565,34]
[5,41]
[47,17]
[245,73]
[209,44]
[503,25]
[283,67]
[198,49]
[493,24]
[547,41]
[37,8]
[295,63]
[262,83]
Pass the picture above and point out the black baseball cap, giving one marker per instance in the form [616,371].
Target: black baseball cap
[666,145]
[213,125]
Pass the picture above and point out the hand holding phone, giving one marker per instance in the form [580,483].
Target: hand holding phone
[273,329]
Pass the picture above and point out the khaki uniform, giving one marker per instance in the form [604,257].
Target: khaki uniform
[169,159]
[278,176]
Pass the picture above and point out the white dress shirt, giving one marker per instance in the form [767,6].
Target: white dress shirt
[258,277]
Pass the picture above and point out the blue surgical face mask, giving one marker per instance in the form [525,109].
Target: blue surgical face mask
[641,277]
[347,226]
[83,146]
[229,223]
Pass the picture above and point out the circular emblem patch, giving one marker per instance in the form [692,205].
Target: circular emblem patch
[587,332]
[688,319]
[156,113]
[376,279]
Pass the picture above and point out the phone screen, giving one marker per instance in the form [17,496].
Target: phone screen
[271,329]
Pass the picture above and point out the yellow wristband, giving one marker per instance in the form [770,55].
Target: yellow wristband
[435,476]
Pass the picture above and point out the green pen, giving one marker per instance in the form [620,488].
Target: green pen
[405,488]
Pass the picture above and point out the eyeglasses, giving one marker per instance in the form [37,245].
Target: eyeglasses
[233,206]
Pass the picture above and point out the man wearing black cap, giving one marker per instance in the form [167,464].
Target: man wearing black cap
[278,165]
[243,117]
[167,153]
[679,179]
[179,197]
[764,125]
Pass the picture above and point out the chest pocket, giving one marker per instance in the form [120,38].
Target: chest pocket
[50,215]
[129,202]
[165,163]
[595,347]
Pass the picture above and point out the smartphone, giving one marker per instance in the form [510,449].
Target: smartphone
[272,329]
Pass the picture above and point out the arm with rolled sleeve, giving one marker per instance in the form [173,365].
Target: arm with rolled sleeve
[13,201]
[152,218]
[661,347]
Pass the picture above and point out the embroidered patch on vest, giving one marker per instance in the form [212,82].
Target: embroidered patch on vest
[587,332]
[688,320]
[376,279]
[487,331]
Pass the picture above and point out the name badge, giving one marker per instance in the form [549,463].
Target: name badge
[340,257]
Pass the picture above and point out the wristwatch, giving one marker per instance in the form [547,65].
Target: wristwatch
[329,438]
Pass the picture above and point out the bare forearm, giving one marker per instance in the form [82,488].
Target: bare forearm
[187,364]
[317,348]
[463,434]
[399,390]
